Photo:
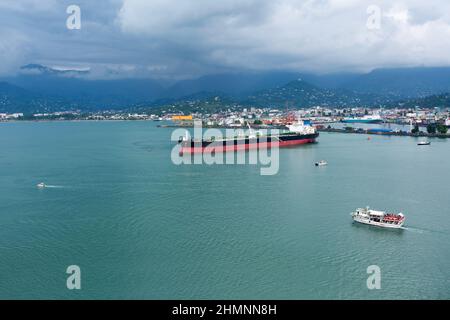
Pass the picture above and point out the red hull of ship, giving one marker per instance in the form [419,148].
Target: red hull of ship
[240,147]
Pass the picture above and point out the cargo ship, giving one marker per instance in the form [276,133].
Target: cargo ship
[364,119]
[298,133]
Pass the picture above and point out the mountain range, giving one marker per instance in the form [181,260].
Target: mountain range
[39,88]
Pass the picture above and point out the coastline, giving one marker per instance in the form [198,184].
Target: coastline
[421,134]
[331,130]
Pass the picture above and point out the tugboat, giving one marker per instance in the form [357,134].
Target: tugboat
[378,218]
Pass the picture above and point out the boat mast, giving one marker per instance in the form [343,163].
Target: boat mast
[251,131]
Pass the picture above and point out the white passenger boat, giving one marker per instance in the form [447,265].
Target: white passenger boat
[41,185]
[378,218]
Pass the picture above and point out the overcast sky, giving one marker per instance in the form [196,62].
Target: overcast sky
[185,38]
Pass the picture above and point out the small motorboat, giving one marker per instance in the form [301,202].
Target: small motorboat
[41,185]
[424,143]
[321,163]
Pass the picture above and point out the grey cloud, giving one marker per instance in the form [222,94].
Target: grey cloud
[183,38]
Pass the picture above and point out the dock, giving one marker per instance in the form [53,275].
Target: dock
[384,132]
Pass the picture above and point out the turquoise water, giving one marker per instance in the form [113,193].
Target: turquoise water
[140,227]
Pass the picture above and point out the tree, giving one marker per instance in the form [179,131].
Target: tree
[442,129]
[431,128]
[416,129]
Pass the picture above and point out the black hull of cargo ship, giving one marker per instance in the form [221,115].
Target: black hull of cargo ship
[230,145]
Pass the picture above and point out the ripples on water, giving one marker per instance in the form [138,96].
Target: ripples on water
[141,227]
